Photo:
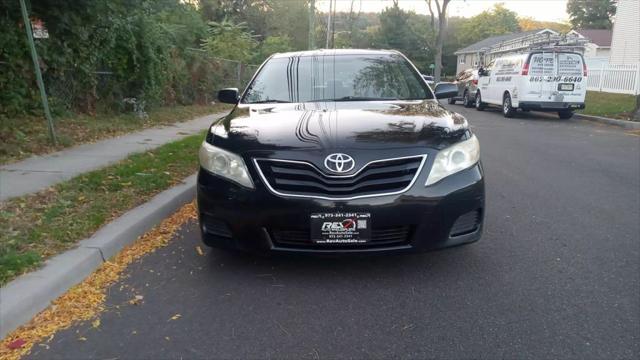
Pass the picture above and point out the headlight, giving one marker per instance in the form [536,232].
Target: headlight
[453,159]
[225,164]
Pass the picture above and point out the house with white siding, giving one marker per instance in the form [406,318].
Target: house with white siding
[597,49]
[625,43]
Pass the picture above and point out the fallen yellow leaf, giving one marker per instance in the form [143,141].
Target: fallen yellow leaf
[85,300]
[96,323]
[136,300]
[199,250]
[175,317]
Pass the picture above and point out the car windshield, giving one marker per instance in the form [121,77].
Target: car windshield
[337,78]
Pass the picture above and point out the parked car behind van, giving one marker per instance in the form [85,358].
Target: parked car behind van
[430,80]
[467,82]
[554,81]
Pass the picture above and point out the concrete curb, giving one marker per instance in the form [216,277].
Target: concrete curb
[26,296]
[627,124]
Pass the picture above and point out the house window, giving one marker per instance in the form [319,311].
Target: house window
[462,59]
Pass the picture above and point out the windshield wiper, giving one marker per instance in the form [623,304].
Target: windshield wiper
[355,98]
[269,101]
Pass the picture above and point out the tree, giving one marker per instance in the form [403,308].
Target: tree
[442,25]
[345,39]
[288,18]
[272,45]
[497,21]
[354,29]
[141,44]
[528,23]
[591,14]
[394,31]
[452,43]
[264,17]
[404,31]
[229,40]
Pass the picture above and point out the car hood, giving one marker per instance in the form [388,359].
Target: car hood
[335,126]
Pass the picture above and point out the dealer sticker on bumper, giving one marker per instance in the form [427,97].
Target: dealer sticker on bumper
[340,228]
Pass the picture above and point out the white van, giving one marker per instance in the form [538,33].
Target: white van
[541,80]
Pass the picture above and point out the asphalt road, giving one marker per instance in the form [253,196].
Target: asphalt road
[556,274]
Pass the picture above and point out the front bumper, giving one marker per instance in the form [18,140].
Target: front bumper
[550,106]
[251,220]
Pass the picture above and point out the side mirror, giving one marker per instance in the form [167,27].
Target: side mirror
[228,96]
[445,90]
[482,72]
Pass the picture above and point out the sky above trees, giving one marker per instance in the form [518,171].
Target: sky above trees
[543,10]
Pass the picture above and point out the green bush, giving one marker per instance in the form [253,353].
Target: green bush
[101,52]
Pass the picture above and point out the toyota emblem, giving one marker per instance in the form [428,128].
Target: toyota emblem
[339,163]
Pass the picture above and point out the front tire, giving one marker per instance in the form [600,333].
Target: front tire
[565,114]
[507,109]
[466,100]
[478,103]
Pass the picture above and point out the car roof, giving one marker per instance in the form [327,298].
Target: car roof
[330,52]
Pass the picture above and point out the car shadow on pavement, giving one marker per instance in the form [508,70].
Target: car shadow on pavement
[550,117]
[441,264]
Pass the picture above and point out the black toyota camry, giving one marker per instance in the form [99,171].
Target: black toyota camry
[340,151]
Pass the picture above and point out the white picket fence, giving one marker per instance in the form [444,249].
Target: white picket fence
[621,79]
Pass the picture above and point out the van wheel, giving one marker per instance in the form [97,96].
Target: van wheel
[466,100]
[451,101]
[507,110]
[565,114]
[479,104]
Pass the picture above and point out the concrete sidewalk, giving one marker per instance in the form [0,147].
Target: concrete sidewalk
[39,172]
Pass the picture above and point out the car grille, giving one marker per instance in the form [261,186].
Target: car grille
[386,236]
[302,179]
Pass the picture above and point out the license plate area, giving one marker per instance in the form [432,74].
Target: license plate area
[341,228]
[565,87]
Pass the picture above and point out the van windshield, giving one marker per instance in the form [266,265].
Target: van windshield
[337,78]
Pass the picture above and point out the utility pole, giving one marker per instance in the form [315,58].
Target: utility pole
[36,67]
[333,25]
[312,24]
[326,46]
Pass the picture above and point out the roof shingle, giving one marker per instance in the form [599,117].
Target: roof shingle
[600,37]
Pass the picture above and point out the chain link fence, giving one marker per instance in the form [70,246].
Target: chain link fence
[105,91]
[227,73]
